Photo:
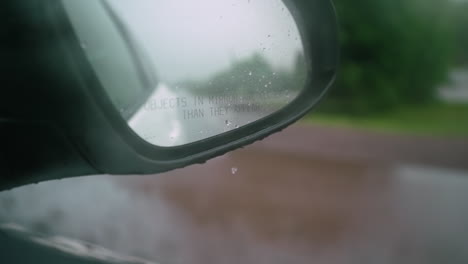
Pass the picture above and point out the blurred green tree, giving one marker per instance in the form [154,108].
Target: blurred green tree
[394,52]
[460,14]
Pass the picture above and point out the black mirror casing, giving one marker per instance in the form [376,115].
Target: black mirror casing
[57,121]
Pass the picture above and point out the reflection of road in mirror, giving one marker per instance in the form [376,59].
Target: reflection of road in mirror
[172,116]
[165,127]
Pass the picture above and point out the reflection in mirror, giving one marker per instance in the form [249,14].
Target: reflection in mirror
[220,65]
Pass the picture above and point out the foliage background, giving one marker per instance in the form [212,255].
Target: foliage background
[395,52]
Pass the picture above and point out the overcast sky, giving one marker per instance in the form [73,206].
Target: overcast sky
[189,39]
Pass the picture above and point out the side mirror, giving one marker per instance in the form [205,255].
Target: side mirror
[140,87]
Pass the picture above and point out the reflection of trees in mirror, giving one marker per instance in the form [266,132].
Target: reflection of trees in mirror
[252,78]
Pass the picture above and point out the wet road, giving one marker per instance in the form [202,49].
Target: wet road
[307,195]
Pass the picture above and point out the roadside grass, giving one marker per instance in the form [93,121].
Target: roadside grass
[442,120]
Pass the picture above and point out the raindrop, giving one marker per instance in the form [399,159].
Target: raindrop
[234,170]
[250,73]
[228,123]
[237,126]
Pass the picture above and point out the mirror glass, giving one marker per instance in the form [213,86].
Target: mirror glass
[181,71]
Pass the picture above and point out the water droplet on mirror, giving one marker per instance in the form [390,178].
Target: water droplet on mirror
[234,170]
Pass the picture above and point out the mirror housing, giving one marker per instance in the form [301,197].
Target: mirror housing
[57,121]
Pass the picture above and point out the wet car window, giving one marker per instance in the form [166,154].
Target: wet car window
[378,173]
